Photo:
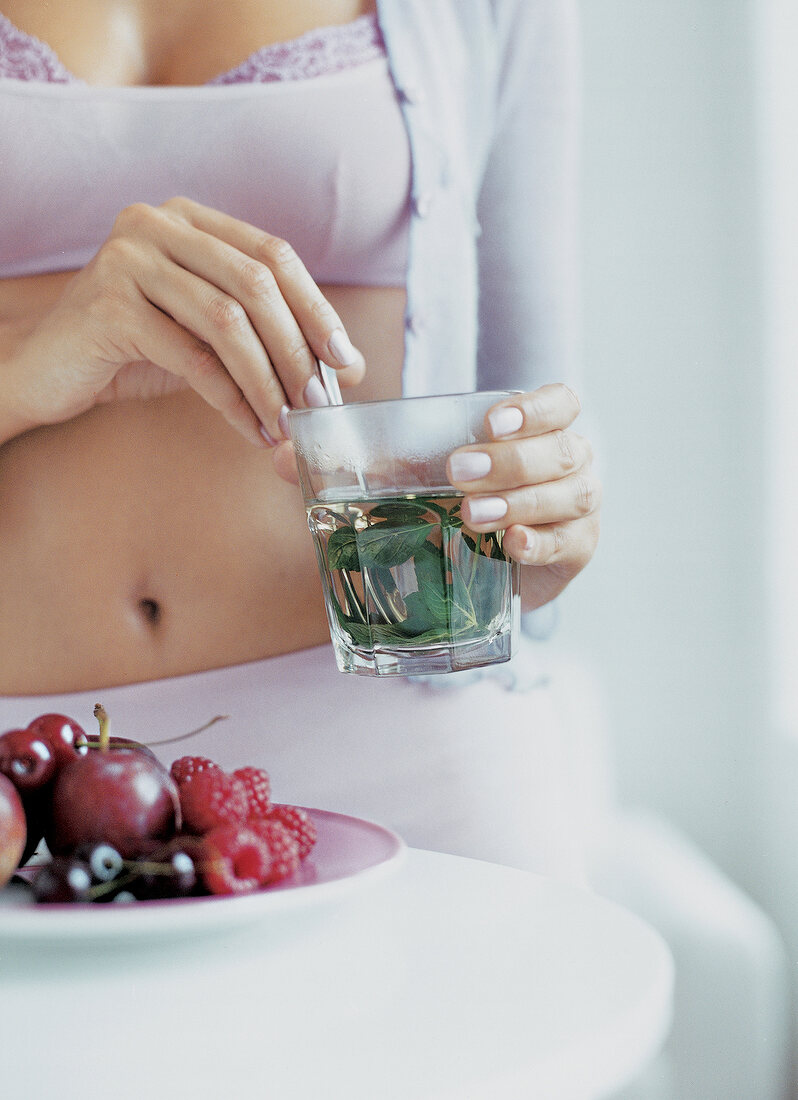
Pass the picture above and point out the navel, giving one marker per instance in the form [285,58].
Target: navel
[150,610]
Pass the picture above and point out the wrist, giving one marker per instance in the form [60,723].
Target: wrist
[15,419]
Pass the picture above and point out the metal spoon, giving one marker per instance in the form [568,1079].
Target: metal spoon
[329,380]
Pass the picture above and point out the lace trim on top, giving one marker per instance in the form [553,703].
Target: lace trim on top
[316,53]
[23,57]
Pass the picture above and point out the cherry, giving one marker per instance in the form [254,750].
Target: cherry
[124,897]
[182,874]
[26,759]
[62,880]
[63,735]
[13,829]
[105,863]
[170,871]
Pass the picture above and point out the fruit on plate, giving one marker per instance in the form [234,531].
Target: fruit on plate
[120,796]
[30,758]
[64,737]
[95,741]
[13,829]
[26,759]
[36,805]
[120,827]
[237,860]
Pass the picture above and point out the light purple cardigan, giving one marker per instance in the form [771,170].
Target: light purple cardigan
[490,91]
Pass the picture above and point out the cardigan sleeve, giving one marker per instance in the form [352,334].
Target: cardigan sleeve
[527,203]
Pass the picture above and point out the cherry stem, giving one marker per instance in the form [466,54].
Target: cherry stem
[103,743]
[101,715]
[134,869]
[191,733]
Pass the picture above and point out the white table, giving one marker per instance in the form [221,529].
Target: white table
[450,979]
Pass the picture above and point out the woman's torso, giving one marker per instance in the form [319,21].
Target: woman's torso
[146,539]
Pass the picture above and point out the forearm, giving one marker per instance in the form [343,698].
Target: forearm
[13,419]
[23,303]
[26,299]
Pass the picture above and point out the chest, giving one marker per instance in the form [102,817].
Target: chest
[110,42]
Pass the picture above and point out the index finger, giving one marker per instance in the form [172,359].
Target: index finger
[550,408]
[319,322]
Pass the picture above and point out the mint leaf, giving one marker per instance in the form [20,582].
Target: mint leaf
[398,512]
[342,549]
[387,545]
[430,566]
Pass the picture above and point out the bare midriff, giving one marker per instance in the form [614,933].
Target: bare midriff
[147,539]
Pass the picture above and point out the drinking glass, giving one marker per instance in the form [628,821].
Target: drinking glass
[409,589]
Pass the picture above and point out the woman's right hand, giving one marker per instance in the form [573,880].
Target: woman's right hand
[178,295]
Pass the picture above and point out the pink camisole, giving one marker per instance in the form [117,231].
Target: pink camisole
[305,139]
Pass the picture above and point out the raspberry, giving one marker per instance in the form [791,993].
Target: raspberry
[235,860]
[299,824]
[210,797]
[282,846]
[189,765]
[258,787]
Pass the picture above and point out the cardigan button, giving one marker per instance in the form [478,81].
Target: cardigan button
[412,93]
[422,204]
[415,323]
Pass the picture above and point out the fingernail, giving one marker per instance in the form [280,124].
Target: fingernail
[486,509]
[267,437]
[505,421]
[282,421]
[469,465]
[341,348]
[315,394]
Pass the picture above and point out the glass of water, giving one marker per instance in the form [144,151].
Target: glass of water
[409,589]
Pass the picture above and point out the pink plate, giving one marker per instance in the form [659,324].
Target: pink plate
[349,853]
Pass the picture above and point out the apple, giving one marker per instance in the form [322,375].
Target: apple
[114,794]
[13,829]
[93,741]
[120,797]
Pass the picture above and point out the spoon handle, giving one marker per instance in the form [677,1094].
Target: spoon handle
[330,382]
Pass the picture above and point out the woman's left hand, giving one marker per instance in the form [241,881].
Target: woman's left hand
[536,482]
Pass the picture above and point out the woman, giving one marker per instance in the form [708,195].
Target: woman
[199,201]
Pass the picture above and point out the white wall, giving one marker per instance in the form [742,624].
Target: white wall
[778,49]
[672,610]
[778,83]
